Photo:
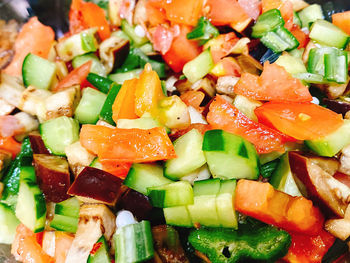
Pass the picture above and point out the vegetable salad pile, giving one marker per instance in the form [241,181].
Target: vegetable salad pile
[177,131]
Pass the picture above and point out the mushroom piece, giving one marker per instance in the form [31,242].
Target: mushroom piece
[314,177]
[95,220]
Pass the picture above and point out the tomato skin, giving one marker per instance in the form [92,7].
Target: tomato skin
[310,249]
[303,121]
[34,38]
[118,169]
[274,84]
[193,98]
[75,77]
[223,115]
[225,12]
[181,50]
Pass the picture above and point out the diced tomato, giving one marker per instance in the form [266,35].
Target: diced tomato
[124,104]
[261,201]
[193,98]
[162,39]
[274,84]
[25,247]
[63,242]
[10,145]
[116,168]
[287,14]
[251,7]
[10,126]
[202,128]
[310,249]
[182,50]
[155,13]
[75,77]
[223,115]
[230,67]
[271,4]
[183,11]
[225,12]
[39,238]
[221,46]
[302,38]
[127,145]
[83,15]
[342,20]
[34,38]
[303,121]
[148,92]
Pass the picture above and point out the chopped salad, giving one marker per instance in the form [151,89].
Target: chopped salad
[177,131]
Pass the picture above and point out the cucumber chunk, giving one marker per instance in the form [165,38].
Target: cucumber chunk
[230,156]
[198,67]
[177,216]
[332,143]
[31,206]
[134,243]
[121,77]
[101,255]
[59,133]
[69,207]
[326,33]
[174,194]
[38,72]
[225,204]
[96,66]
[65,223]
[8,224]
[90,105]
[310,14]
[189,153]
[143,176]
[204,211]
[282,178]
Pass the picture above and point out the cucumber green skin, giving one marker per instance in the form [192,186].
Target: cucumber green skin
[103,84]
[90,105]
[267,22]
[96,66]
[143,176]
[174,194]
[12,177]
[207,187]
[69,207]
[134,243]
[38,72]
[65,223]
[332,143]
[8,224]
[211,207]
[106,111]
[230,156]
[59,133]
[130,32]
[33,217]
[189,153]
[310,14]
[282,178]
[102,254]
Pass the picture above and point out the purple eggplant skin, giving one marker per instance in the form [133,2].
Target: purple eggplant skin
[96,186]
[137,203]
[37,144]
[338,106]
[120,53]
[53,176]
